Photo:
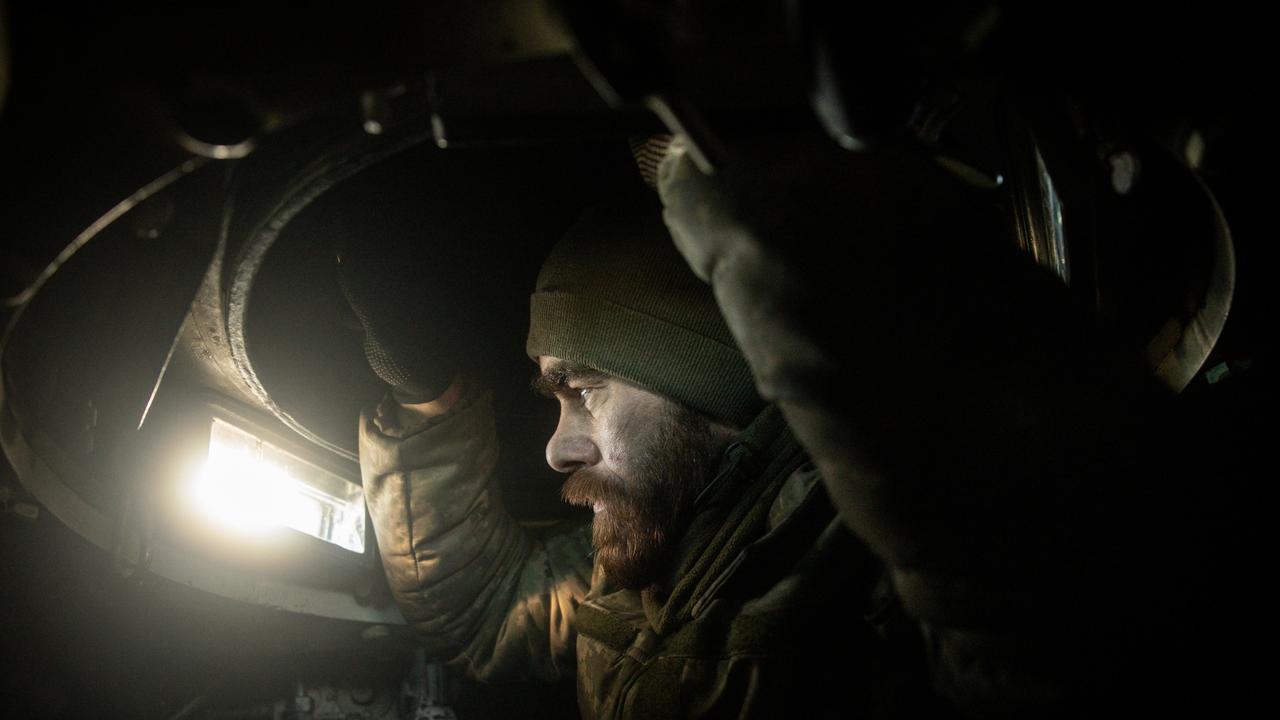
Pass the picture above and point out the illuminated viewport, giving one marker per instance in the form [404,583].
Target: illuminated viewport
[253,487]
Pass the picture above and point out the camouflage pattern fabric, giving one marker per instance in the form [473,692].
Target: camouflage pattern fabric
[764,610]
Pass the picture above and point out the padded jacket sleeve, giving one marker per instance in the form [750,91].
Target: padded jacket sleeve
[481,593]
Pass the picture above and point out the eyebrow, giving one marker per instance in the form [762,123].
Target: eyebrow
[556,378]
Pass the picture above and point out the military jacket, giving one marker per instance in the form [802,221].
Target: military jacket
[766,608]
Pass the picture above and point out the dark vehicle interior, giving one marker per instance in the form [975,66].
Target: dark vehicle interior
[176,182]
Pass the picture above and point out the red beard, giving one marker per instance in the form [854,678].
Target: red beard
[641,516]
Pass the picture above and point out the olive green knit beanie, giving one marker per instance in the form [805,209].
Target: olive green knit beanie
[615,295]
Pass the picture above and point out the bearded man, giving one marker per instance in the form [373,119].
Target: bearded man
[722,581]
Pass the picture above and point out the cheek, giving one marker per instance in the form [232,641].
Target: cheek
[625,428]
[619,436]
[613,447]
[625,444]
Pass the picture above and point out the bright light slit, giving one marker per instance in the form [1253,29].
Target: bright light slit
[252,486]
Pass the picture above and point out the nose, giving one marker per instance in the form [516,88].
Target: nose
[571,447]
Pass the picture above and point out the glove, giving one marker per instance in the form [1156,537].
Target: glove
[411,339]
[816,256]
[880,301]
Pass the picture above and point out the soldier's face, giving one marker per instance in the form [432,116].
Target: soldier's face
[636,458]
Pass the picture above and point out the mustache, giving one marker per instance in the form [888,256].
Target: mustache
[588,486]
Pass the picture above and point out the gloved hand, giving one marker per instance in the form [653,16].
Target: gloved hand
[772,195]
[817,256]
[962,421]
[410,345]
[929,367]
